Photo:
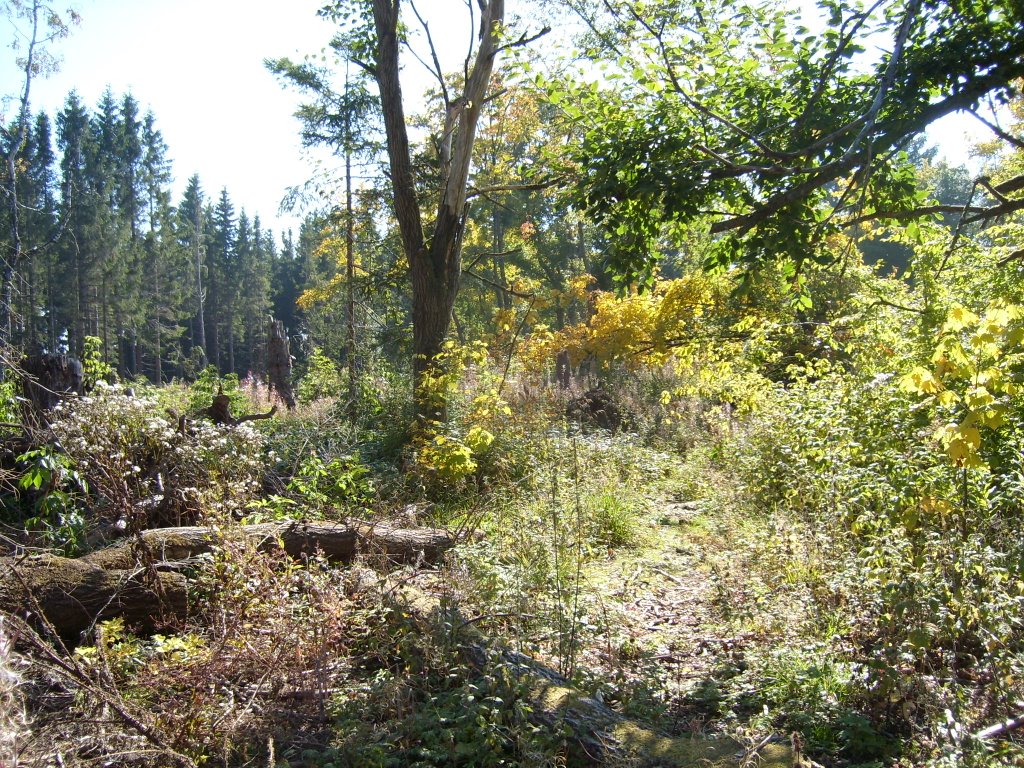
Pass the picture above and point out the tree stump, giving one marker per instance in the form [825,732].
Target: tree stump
[279,363]
[48,379]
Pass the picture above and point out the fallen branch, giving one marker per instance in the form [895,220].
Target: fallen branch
[1000,728]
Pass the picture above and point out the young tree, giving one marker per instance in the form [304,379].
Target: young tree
[37,24]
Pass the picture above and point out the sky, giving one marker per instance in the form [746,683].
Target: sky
[198,64]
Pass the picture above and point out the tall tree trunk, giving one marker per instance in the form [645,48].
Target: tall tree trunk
[200,318]
[437,267]
[501,298]
[82,294]
[158,352]
[231,341]
[104,335]
[350,275]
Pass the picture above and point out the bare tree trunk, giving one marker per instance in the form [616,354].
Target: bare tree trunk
[279,363]
[350,276]
[200,319]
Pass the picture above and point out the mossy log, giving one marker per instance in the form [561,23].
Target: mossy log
[595,734]
[72,594]
[136,579]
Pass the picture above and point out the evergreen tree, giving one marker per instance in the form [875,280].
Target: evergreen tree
[192,240]
[221,283]
[75,270]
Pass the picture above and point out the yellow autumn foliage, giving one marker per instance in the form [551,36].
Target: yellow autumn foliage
[974,376]
[637,330]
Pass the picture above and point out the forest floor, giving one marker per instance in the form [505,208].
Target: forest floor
[656,635]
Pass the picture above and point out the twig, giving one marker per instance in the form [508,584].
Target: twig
[1000,728]
[485,616]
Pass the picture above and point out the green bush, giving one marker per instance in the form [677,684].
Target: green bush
[921,554]
[209,383]
[321,379]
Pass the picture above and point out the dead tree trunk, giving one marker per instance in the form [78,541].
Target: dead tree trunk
[595,734]
[279,363]
[72,594]
[337,542]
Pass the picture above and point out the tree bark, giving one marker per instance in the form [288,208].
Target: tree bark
[48,379]
[72,594]
[279,363]
[338,542]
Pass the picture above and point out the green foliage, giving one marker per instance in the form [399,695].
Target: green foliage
[57,492]
[776,129]
[94,367]
[320,380]
[427,707]
[208,384]
[10,409]
[342,483]
[614,518]
[917,548]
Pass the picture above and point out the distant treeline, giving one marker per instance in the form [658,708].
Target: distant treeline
[168,286]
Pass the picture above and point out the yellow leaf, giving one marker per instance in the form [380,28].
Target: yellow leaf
[959,317]
[977,398]
[994,418]
[921,381]
[969,434]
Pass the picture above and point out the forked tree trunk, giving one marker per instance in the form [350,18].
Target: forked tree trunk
[435,262]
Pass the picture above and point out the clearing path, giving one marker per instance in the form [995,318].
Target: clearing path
[662,633]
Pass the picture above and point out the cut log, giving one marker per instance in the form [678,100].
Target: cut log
[72,594]
[338,542]
[113,582]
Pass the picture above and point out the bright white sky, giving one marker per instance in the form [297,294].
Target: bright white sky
[198,64]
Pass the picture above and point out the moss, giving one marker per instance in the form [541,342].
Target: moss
[653,748]
[684,751]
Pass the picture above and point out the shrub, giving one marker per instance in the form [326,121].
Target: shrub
[320,380]
[920,552]
[141,470]
[209,383]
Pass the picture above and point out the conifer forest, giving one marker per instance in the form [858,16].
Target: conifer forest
[644,386]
